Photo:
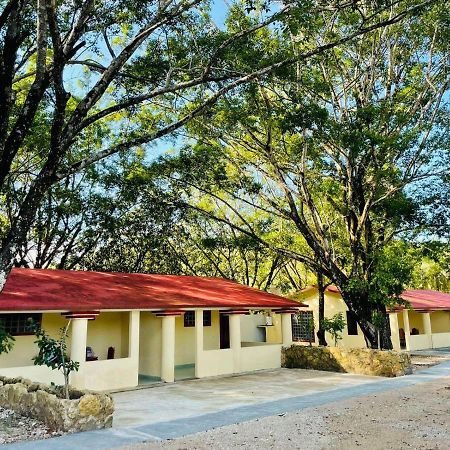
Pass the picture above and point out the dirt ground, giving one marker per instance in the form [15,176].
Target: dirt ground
[15,428]
[416,417]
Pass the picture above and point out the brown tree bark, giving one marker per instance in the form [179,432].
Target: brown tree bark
[321,289]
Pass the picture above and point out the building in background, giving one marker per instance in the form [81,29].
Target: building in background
[424,324]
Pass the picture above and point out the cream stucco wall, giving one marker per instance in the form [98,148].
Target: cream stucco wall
[441,340]
[111,374]
[126,331]
[440,322]
[333,305]
[215,362]
[273,333]
[39,374]
[185,339]
[150,345]
[249,328]
[109,329]
[416,321]
[260,357]
[150,342]
[419,342]
[24,347]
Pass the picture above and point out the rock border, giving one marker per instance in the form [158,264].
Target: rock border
[84,411]
[362,361]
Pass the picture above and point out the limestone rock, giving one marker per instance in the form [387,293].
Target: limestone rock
[88,411]
[89,405]
[359,360]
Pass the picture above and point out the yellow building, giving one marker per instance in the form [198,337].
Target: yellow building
[424,324]
[127,329]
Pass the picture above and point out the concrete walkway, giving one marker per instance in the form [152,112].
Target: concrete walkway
[176,427]
[168,402]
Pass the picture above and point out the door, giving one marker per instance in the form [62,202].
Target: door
[224,331]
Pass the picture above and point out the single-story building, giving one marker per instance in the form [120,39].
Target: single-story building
[132,328]
[424,324]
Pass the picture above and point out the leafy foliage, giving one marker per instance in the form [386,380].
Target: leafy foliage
[53,354]
[335,326]
[6,341]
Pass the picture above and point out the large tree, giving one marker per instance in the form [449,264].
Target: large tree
[333,151]
[122,221]
[84,80]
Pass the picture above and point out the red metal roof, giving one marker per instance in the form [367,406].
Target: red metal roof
[69,290]
[420,300]
[425,300]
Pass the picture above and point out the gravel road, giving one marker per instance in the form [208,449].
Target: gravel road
[416,417]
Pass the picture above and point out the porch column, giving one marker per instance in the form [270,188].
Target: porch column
[235,341]
[407,329]
[133,342]
[395,333]
[78,341]
[198,342]
[133,335]
[427,328]
[286,329]
[168,349]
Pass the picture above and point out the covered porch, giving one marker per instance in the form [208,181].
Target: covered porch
[418,330]
[202,342]
[122,349]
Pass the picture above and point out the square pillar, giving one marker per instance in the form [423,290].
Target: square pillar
[133,335]
[407,329]
[395,333]
[426,318]
[133,342]
[286,329]
[168,349]
[235,341]
[78,341]
[198,342]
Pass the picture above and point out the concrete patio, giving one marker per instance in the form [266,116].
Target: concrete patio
[218,402]
[166,402]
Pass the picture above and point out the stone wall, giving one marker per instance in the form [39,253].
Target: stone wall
[362,361]
[84,411]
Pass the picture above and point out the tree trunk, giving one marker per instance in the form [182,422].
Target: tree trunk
[385,331]
[66,384]
[7,255]
[321,288]
[363,310]
[18,232]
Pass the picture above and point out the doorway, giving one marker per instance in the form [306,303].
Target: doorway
[224,331]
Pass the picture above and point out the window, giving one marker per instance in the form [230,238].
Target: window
[20,324]
[303,326]
[352,324]
[189,318]
[206,318]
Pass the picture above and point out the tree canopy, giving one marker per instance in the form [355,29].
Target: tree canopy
[287,142]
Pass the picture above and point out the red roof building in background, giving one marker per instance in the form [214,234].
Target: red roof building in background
[69,290]
[418,299]
[426,300]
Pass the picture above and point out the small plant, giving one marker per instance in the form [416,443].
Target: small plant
[335,326]
[6,340]
[53,354]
